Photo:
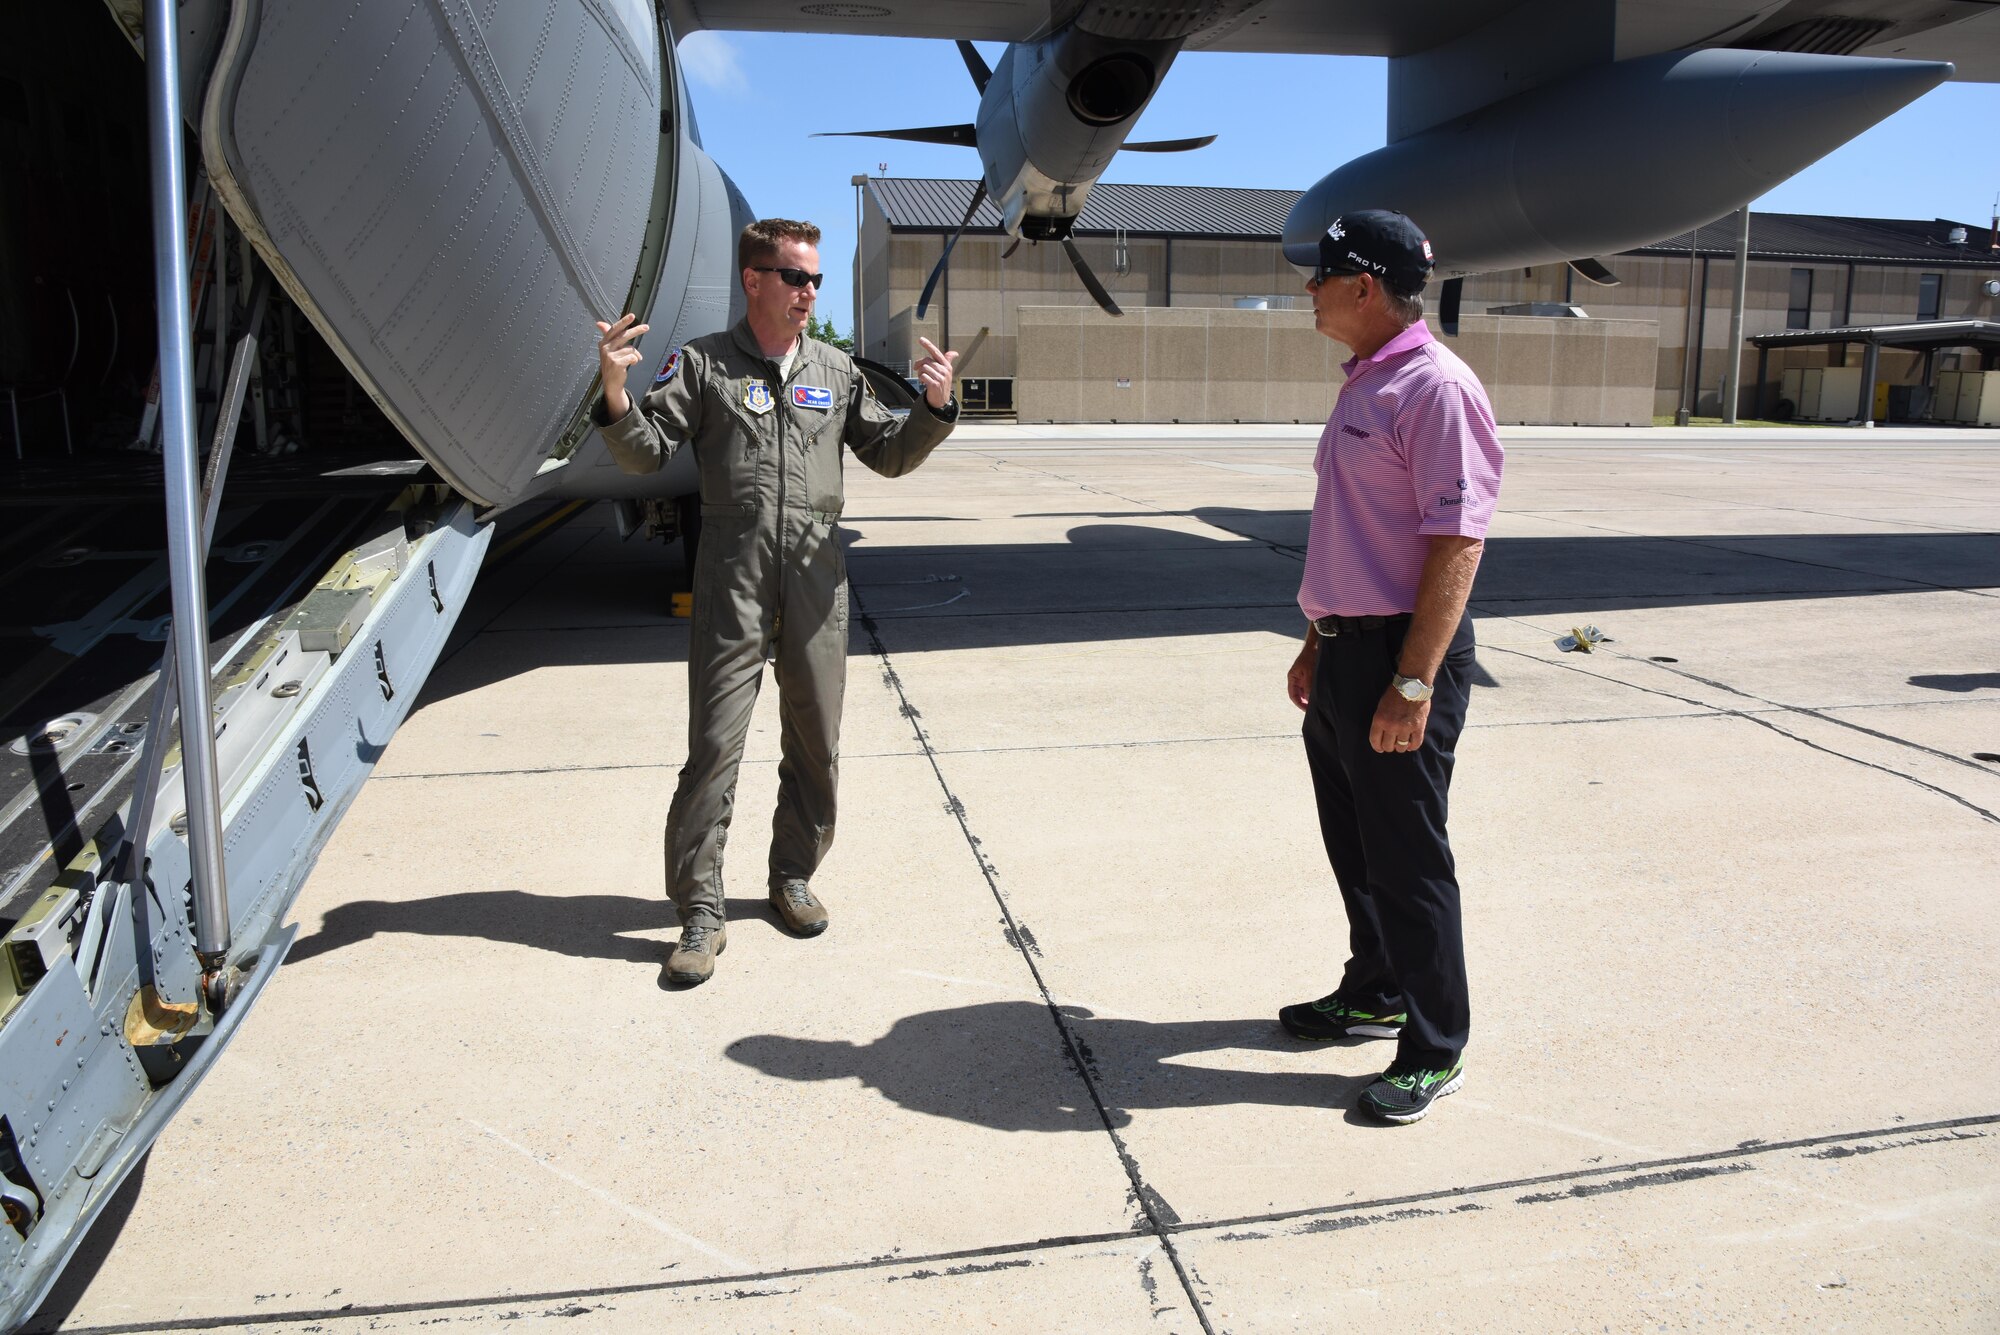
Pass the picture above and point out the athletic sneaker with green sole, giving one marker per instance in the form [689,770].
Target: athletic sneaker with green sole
[1403,1094]
[693,960]
[1332,1017]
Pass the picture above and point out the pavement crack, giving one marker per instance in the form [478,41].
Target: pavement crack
[1758,718]
[1158,1220]
[1243,1228]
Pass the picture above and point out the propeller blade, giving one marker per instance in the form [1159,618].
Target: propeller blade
[1008,253]
[1171,145]
[1448,297]
[924,302]
[1595,272]
[975,64]
[925,134]
[972,350]
[1090,283]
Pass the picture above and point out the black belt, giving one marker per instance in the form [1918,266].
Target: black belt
[1330,626]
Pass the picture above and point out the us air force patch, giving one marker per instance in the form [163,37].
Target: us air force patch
[667,371]
[808,396]
[757,397]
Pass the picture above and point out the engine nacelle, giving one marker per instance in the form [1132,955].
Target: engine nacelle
[1617,156]
[1054,114]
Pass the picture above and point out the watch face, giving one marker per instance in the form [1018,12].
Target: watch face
[1411,689]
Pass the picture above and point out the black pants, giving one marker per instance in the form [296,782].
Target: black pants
[1383,819]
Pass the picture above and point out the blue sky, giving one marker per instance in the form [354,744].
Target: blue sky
[1284,122]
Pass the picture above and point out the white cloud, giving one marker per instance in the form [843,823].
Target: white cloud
[711,61]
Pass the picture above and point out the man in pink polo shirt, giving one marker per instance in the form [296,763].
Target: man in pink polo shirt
[1409,472]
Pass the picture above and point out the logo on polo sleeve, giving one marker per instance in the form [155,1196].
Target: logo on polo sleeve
[810,396]
[757,397]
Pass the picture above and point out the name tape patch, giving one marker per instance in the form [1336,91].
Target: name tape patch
[809,396]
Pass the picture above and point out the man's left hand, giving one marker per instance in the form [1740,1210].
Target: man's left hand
[1399,723]
[935,369]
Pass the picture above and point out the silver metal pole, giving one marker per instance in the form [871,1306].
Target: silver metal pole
[860,267]
[1685,408]
[1732,371]
[184,556]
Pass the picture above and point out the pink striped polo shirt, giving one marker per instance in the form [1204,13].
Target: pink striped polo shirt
[1409,453]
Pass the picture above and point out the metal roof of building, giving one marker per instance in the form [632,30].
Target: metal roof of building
[917,204]
[1922,334]
[928,205]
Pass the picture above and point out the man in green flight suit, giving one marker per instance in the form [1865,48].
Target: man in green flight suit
[767,412]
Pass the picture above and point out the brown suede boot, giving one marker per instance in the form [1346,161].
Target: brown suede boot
[693,960]
[803,914]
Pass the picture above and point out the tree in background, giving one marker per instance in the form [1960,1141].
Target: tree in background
[824,331]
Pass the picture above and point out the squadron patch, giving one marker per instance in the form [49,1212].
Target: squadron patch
[757,397]
[667,371]
[808,396]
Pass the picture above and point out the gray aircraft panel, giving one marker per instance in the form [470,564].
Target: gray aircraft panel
[1969,35]
[452,197]
[1972,44]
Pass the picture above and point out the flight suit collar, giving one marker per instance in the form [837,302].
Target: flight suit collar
[746,339]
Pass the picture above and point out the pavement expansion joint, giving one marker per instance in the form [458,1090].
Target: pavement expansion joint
[1546,1189]
[1158,1217]
[1759,718]
[542,769]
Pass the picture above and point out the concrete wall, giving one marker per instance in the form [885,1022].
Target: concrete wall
[1536,381]
[1217,364]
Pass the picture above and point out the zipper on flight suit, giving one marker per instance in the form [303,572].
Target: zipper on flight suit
[778,409]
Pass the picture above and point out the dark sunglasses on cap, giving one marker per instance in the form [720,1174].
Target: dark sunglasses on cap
[792,277]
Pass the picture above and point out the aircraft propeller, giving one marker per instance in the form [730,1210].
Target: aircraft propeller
[937,270]
[967,136]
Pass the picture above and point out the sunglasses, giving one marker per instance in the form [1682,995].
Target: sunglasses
[792,277]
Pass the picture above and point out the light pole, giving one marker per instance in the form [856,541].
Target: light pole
[1732,388]
[860,183]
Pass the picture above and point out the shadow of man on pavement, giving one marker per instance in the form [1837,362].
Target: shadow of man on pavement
[1003,1065]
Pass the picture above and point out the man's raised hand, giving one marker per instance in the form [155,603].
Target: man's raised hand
[936,370]
[615,355]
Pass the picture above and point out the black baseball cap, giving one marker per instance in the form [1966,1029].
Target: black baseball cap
[1371,241]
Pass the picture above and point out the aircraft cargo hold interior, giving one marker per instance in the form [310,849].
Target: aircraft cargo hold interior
[83,569]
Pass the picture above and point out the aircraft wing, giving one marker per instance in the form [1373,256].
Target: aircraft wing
[1966,32]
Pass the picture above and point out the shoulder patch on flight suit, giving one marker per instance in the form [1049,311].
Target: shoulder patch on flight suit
[810,396]
[757,397]
[667,371]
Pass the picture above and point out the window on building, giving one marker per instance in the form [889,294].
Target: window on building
[1928,288]
[1799,316]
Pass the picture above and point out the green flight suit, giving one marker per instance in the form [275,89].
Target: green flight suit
[769,578]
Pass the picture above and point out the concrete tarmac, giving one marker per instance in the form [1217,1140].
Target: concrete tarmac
[1729,887]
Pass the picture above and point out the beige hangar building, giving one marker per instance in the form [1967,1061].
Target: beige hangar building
[1217,327]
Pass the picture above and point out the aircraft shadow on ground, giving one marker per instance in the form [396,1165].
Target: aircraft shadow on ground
[994,1064]
[1111,580]
[494,658]
[91,1253]
[1958,683]
[594,927]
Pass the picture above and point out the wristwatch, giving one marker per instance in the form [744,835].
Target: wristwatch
[1410,689]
